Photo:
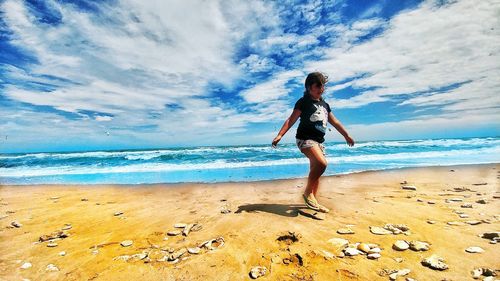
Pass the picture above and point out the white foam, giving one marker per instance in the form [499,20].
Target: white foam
[492,155]
[286,148]
[147,154]
[432,142]
[495,151]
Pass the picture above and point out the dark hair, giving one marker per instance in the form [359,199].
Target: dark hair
[315,78]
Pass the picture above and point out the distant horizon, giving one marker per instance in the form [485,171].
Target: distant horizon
[229,145]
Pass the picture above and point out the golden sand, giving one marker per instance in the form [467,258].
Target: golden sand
[260,213]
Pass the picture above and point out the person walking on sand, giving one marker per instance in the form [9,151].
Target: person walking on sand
[314,113]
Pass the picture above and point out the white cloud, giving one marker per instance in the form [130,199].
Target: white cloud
[255,63]
[285,43]
[132,59]
[374,10]
[467,123]
[272,90]
[144,67]
[28,35]
[104,118]
[366,25]
[462,98]
[422,50]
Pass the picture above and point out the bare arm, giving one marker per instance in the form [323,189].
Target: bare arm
[287,125]
[338,126]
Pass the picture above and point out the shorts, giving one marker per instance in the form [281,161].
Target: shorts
[309,143]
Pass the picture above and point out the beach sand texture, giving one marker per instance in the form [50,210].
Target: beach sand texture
[260,225]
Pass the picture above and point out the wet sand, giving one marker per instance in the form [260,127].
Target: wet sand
[260,213]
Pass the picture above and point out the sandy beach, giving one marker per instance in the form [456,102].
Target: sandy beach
[254,224]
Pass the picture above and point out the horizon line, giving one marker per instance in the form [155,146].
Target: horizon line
[227,145]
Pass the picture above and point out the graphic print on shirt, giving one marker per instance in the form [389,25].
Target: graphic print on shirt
[321,114]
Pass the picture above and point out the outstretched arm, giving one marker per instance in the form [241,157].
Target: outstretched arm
[287,125]
[338,126]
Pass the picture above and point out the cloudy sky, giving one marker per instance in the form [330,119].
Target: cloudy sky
[84,75]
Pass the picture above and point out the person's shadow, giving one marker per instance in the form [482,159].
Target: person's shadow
[286,210]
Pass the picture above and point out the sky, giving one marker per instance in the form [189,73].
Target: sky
[132,74]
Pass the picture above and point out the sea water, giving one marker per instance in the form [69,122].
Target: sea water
[237,163]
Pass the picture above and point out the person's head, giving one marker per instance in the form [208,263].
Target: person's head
[315,84]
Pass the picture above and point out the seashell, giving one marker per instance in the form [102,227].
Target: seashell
[257,271]
[400,245]
[177,254]
[363,247]
[187,229]
[213,243]
[379,230]
[195,250]
[126,243]
[196,227]
[174,232]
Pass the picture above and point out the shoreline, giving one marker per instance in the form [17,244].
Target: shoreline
[261,224]
[246,181]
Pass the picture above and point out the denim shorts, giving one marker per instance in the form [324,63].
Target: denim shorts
[309,143]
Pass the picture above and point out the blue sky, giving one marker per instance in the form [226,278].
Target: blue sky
[84,75]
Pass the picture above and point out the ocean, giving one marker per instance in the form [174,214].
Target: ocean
[237,163]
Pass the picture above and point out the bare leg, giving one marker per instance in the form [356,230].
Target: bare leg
[317,167]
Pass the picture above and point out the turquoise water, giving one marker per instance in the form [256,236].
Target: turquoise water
[237,163]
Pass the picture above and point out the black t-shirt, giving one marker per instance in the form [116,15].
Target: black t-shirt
[313,118]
